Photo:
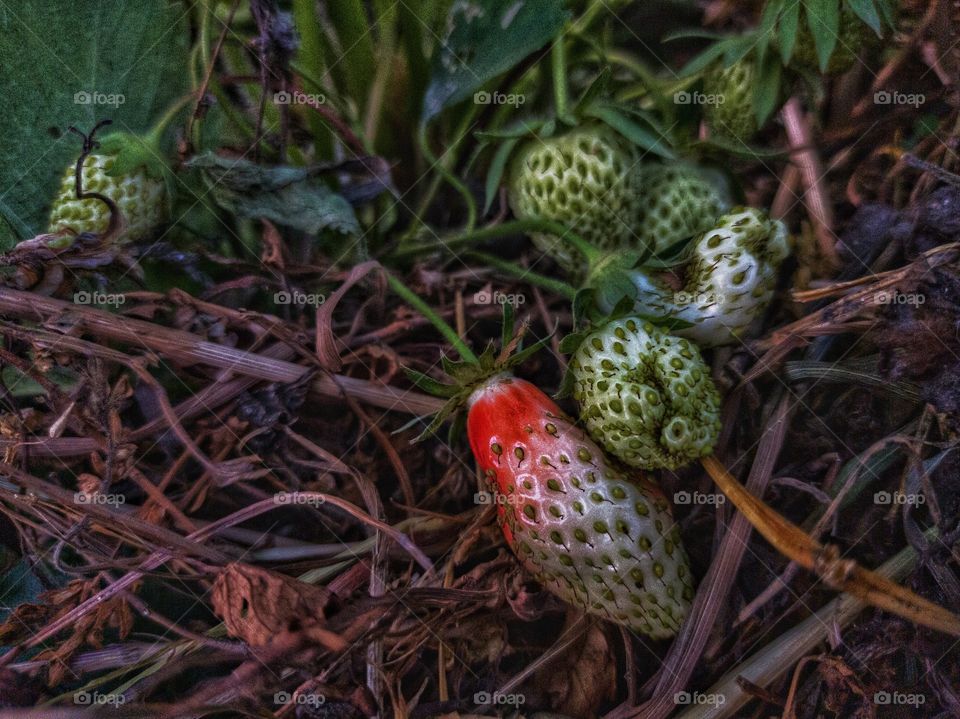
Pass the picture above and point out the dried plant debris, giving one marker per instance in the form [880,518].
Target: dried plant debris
[246,330]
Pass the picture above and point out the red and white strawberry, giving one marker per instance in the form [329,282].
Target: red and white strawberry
[596,537]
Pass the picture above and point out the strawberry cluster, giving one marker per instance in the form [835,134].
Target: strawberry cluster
[575,500]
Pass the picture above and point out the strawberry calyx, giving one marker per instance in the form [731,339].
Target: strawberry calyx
[131,153]
[469,377]
[472,371]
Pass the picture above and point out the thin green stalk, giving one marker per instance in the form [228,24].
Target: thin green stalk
[582,23]
[436,320]
[529,276]
[590,253]
[155,133]
[558,61]
[444,172]
[312,54]
[204,39]
[349,19]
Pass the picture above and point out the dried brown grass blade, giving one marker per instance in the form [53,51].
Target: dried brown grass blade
[842,574]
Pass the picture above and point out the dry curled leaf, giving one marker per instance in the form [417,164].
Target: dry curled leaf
[257,605]
[326,344]
[583,677]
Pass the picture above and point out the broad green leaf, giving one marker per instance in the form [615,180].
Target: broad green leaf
[823,19]
[650,118]
[866,11]
[524,128]
[75,63]
[497,167]
[569,344]
[484,39]
[597,89]
[632,131]
[768,19]
[740,149]
[290,196]
[703,60]
[766,93]
[355,66]
[787,33]
[737,48]
[889,9]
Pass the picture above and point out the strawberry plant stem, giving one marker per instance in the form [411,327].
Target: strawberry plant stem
[436,320]
[448,174]
[529,276]
[558,59]
[153,136]
[590,253]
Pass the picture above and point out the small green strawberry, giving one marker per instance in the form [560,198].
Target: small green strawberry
[596,537]
[724,285]
[677,201]
[645,395]
[586,180]
[141,199]
[731,114]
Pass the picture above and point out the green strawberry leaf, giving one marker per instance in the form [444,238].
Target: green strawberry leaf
[76,63]
[768,19]
[484,39]
[597,89]
[867,11]
[566,382]
[289,196]
[615,285]
[740,149]
[569,344]
[738,48]
[888,8]
[788,29]
[650,118]
[766,92]
[524,128]
[640,137]
[823,19]
[495,173]
[704,60]
[583,303]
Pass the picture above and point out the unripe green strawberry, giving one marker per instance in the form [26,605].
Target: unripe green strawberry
[140,198]
[726,283]
[596,537]
[853,35]
[586,180]
[677,201]
[645,395]
[732,114]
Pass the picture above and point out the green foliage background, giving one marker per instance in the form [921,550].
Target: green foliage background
[53,49]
